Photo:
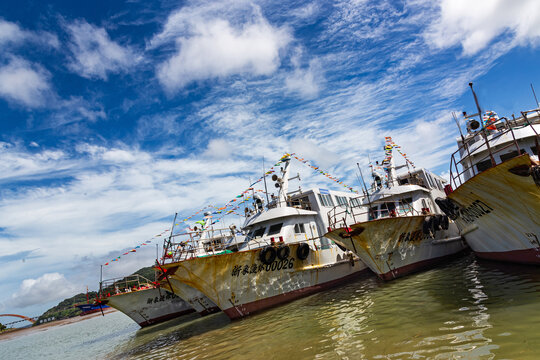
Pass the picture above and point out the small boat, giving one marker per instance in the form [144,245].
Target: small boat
[284,255]
[142,300]
[397,228]
[90,308]
[494,190]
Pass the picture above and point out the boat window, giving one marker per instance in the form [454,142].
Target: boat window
[302,203]
[275,229]
[403,181]
[534,150]
[299,229]
[258,233]
[430,180]
[341,201]
[483,165]
[405,205]
[355,202]
[373,213]
[510,155]
[326,200]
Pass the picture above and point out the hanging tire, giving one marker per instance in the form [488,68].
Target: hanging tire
[302,251]
[267,255]
[426,225]
[445,223]
[437,222]
[283,252]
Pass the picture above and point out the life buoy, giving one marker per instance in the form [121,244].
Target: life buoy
[283,252]
[302,251]
[267,255]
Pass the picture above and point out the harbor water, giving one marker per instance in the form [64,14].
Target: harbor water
[466,309]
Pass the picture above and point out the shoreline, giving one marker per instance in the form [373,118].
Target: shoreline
[9,335]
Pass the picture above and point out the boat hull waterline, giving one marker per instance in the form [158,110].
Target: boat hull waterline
[240,284]
[499,213]
[395,247]
[150,306]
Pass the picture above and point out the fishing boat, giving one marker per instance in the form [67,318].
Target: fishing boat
[494,192]
[397,228]
[283,257]
[200,241]
[90,308]
[141,300]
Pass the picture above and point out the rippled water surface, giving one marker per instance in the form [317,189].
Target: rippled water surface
[466,309]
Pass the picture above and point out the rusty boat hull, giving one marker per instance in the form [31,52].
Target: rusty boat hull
[200,302]
[395,247]
[149,306]
[240,284]
[499,212]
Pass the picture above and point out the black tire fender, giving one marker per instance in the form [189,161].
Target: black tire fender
[445,223]
[267,255]
[426,225]
[302,252]
[283,252]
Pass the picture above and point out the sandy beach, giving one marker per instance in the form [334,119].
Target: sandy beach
[44,327]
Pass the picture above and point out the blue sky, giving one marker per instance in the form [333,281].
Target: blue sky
[114,116]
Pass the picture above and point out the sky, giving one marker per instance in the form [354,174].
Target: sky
[114,116]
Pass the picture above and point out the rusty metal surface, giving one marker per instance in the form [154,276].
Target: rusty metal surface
[503,208]
[391,243]
[230,280]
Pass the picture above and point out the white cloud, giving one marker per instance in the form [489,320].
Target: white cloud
[95,55]
[210,46]
[476,24]
[305,81]
[219,148]
[12,34]
[24,83]
[48,287]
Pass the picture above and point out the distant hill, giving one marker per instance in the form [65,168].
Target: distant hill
[66,309]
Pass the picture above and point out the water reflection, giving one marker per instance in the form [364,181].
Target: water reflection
[466,309]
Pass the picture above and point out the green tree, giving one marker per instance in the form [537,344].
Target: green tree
[2,327]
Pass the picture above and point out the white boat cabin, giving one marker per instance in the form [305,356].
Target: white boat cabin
[304,218]
[507,138]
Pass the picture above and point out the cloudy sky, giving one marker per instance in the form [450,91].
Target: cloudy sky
[114,116]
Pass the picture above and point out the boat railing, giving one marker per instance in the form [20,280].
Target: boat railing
[343,216]
[192,244]
[123,285]
[485,139]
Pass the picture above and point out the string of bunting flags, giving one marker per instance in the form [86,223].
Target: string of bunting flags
[147,242]
[325,173]
[234,204]
[389,145]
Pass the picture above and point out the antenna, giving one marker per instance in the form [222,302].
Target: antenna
[265,187]
[457,123]
[365,188]
[535,98]
[483,126]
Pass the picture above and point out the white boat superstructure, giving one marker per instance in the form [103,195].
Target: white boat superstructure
[142,301]
[284,257]
[397,228]
[494,195]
